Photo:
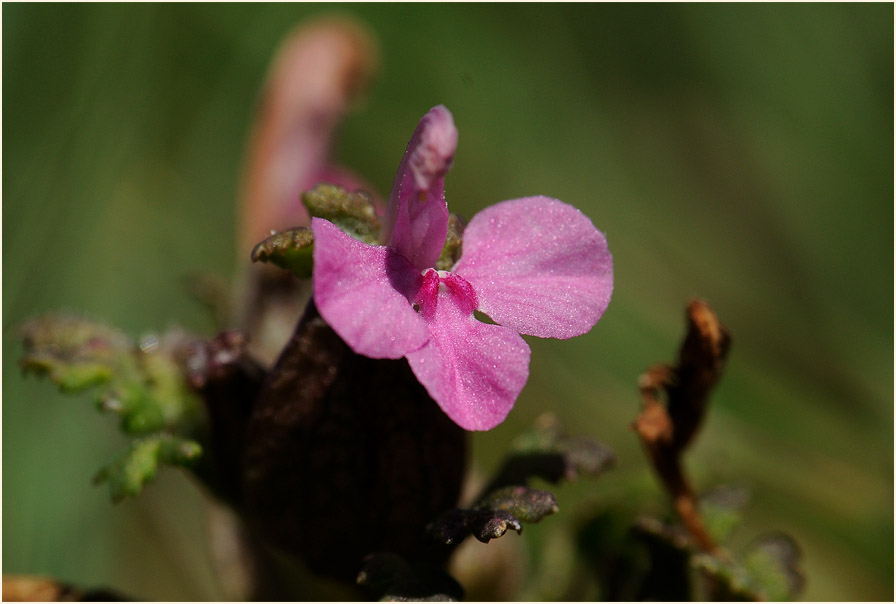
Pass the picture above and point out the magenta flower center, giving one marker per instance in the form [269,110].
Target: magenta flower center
[459,290]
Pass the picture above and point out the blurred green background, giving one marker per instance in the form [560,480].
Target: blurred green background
[741,153]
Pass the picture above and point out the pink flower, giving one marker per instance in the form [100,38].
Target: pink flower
[535,266]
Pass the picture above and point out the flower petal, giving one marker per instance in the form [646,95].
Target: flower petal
[473,370]
[417,216]
[539,266]
[363,292]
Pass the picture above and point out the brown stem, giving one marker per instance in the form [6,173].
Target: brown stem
[319,72]
[667,429]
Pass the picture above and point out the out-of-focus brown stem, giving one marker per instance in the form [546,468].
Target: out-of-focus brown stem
[318,73]
[667,429]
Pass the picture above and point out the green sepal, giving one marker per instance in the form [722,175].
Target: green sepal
[451,251]
[291,249]
[139,463]
[354,213]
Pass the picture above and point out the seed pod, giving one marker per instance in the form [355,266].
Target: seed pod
[346,455]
